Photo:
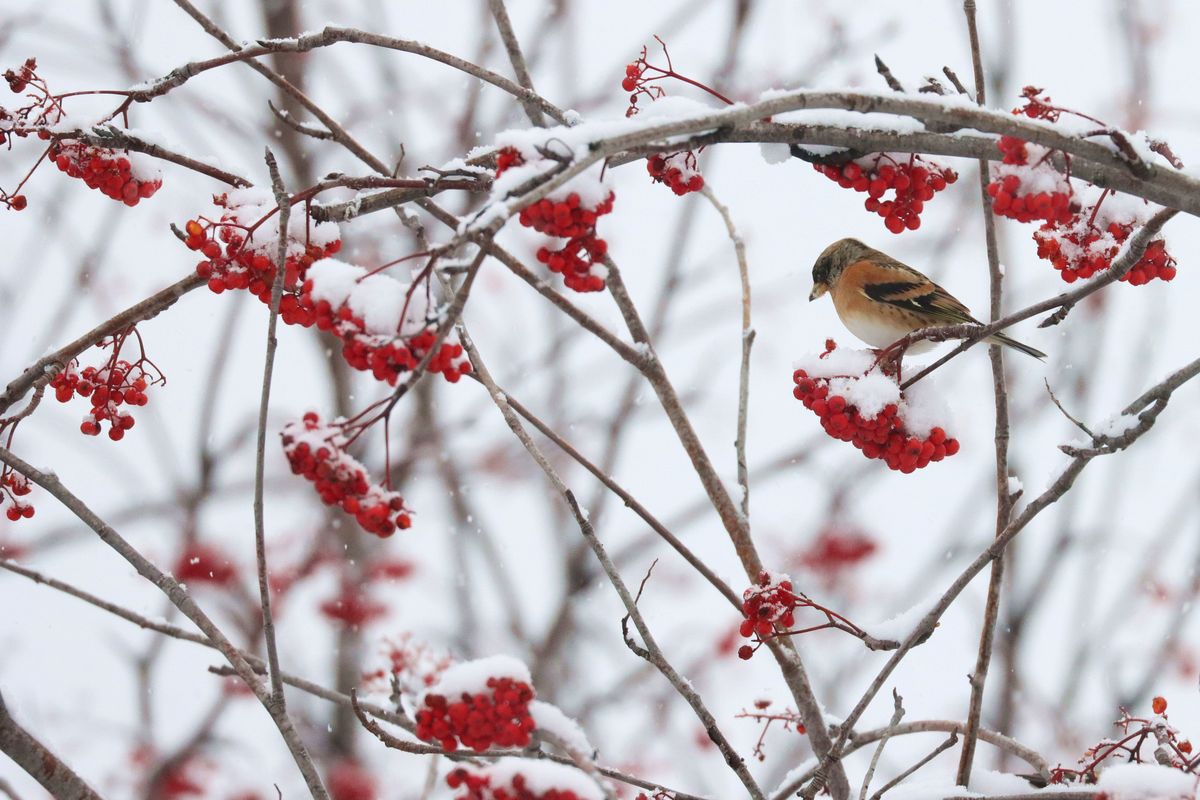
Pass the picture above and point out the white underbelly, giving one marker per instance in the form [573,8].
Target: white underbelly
[879,332]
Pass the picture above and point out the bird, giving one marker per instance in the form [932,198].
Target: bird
[881,299]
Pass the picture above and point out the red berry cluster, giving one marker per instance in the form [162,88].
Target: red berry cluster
[317,452]
[769,604]
[882,436]
[14,485]
[1080,249]
[203,563]
[233,261]
[914,182]
[350,780]
[109,171]
[1008,200]
[385,357]
[1026,187]
[483,785]
[498,718]
[837,548]
[352,607]
[42,110]
[506,158]
[578,259]
[19,79]
[676,170]
[110,387]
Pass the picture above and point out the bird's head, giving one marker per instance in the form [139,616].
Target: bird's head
[833,259]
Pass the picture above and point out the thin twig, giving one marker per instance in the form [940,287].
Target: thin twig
[39,762]
[739,248]
[903,776]
[1004,498]
[897,715]
[509,37]
[260,536]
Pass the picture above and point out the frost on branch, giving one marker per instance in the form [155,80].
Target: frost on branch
[478,704]
[317,451]
[858,402]
[1082,231]
[522,779]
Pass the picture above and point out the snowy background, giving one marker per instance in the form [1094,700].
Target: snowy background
[1109,574]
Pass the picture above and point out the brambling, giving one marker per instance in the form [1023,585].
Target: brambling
[881,300]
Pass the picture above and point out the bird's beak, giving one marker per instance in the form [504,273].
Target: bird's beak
[817,290]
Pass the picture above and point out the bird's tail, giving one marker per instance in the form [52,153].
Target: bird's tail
[1000,338]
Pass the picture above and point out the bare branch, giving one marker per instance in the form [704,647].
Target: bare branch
[42,765]
[513,48]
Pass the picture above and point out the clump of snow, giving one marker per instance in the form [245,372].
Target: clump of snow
[925,408]
[550,719]
[471,677]
[1015,485]
[1117,426]
[378,300]
[851,374]
[869,393]
[899,626]
[1146,782]
[775,152]
[247,207]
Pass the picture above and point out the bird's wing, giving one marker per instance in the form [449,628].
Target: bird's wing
[902,287]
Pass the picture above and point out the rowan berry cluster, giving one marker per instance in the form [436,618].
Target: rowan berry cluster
[204,563]
[344,300]
[317,451]
[677,171]
[1023,199]
[913,180]
[112,387]
[880,432]
[497,717]
[241,248]
[489,784]
[1080,248]
[352,607]
[569,213]
[578,259]
[836,549]
[348,779]
[13,486]
[1074,236]
[118,174]
[769,605]
[1170,749]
